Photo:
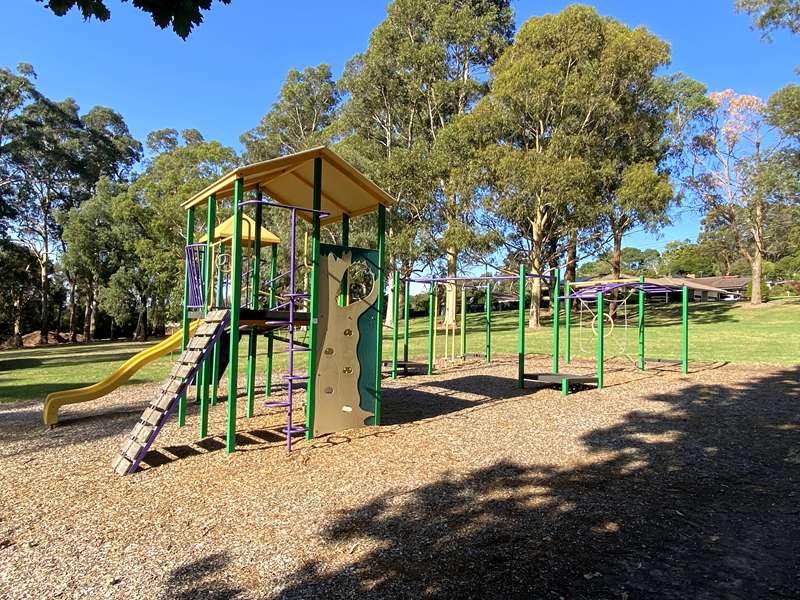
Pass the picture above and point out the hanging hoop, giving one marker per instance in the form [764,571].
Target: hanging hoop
[606,330]
[224,262]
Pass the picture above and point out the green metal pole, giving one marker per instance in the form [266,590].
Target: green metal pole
[641,322]
[273,271]
[395,317]
[205,372]
[521,329]
[314,292]
[185,314]
[463,323]
[345,242]
[555,288]
[380,278]
[488,323]
[431,319]
[405,319]
[255,284]
[600,326]
[567,324]
[236,303]
[685,332]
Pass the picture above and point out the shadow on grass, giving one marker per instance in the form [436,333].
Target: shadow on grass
[699,500]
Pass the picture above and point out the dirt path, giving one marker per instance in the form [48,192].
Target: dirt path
[661,485]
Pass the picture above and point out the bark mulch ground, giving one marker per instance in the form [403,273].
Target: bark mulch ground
[660,485]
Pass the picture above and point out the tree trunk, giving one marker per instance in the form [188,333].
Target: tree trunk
[73,310]
[757,271]
[538,244]
[18,322]
[94,318]
[159,319]
[59,318]
[44,282]
[87,315]
[141,323]
[572,257]
[757,262]
[113,334]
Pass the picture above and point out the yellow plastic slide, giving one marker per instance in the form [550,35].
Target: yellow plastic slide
[56,400]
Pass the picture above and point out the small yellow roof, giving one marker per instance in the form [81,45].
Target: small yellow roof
[224,231]
[289,180]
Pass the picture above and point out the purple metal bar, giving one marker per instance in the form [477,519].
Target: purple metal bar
[194,262]
[290,375]
[322,213]
[467,278]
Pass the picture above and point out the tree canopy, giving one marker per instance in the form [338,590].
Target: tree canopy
[182,16]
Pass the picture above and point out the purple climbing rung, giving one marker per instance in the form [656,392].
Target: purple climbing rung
[298,349]
[276,404]
[298,295]
[295,377]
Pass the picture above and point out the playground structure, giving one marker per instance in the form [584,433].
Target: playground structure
[227,296]
[593,297]
[224,289]
[449,321]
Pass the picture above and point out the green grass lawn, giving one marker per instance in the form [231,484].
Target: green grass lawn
[718,332]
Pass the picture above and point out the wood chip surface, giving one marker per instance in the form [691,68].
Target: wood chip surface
[659,485]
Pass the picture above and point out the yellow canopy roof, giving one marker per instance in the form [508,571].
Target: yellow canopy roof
[224,231]
[289,180]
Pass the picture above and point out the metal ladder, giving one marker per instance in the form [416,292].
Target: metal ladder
[292,378]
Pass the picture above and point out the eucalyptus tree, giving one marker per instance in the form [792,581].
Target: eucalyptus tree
[745,171]
[58,155]
[150,224]
[18,287]
[424,67]
[772,14]
[300,117]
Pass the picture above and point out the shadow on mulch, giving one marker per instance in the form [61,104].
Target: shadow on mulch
[196,580]
[245,440]
[697,501]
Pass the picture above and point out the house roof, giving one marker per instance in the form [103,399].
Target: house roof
[662,282]
[289,180]
[224,231]
[726,282]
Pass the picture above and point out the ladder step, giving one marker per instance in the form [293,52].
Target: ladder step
[198,343]
[295,377]
[151,416]
[182,371]
[141,432]
[162,403]
[172,387]
[294,429]
[121,465]
[190,357]
[276,404]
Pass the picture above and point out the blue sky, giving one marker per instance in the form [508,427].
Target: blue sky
[228,72]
